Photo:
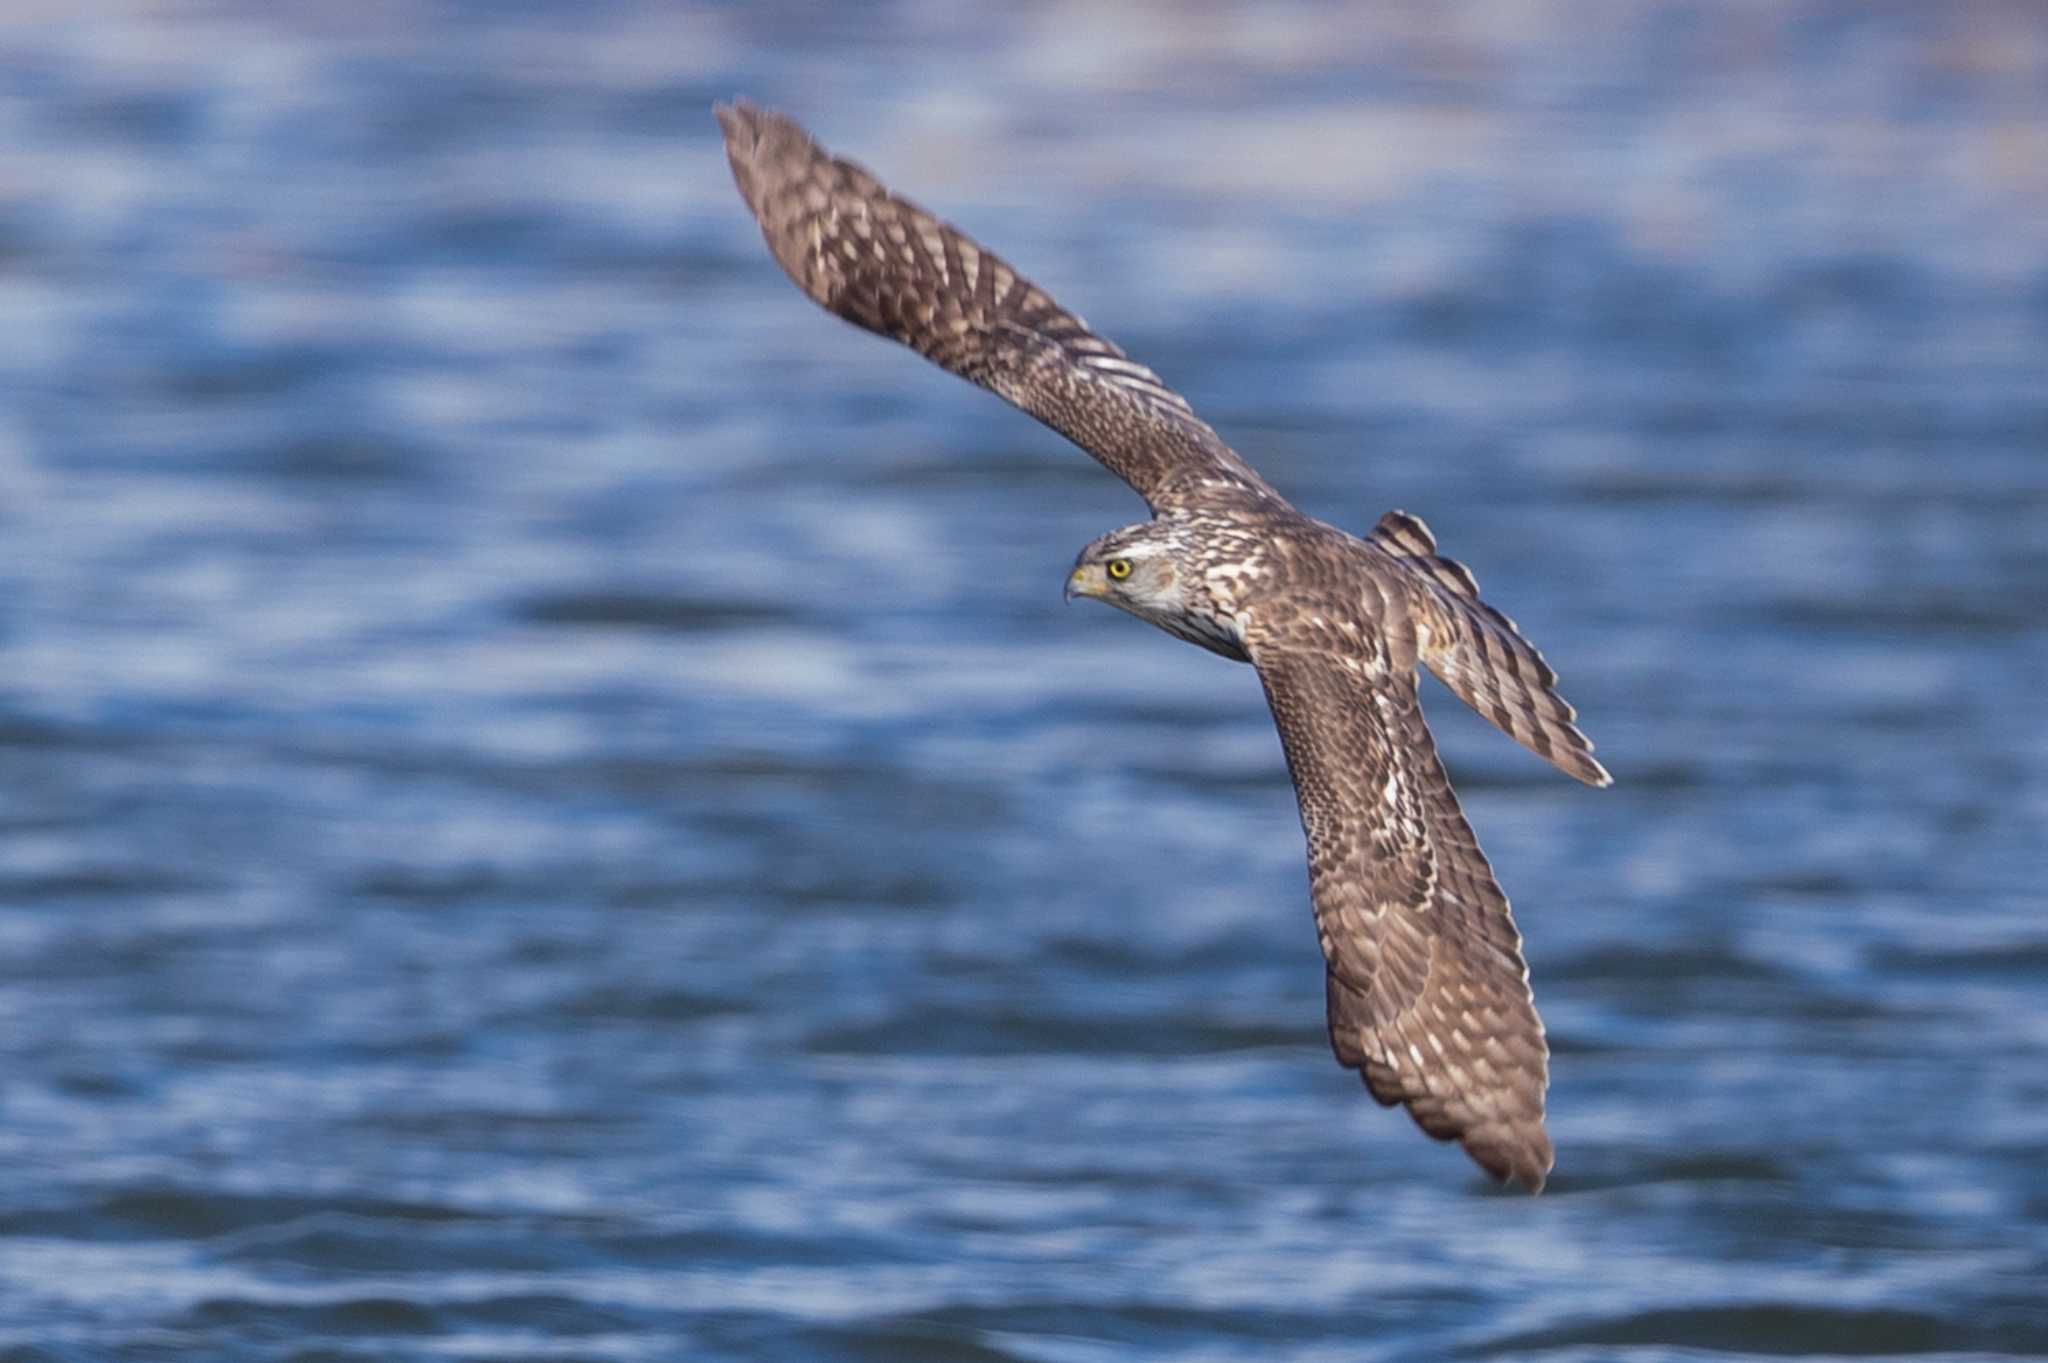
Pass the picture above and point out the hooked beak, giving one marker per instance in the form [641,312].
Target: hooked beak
[1086,580]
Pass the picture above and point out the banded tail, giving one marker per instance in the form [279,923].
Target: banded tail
[1481,655]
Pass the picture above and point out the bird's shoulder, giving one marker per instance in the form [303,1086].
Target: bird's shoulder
[1291,581]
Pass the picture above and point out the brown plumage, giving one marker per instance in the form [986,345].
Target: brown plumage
[1428,996]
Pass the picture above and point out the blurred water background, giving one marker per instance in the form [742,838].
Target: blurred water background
[550,807]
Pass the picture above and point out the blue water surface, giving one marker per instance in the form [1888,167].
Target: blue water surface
[550,807]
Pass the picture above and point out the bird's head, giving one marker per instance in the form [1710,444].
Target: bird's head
[1135,568]
[1147,570]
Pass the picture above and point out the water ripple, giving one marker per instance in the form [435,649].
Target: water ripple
[550,806]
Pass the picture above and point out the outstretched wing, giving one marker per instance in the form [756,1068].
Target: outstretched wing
[1428,994]
[885,264]
[1480,653]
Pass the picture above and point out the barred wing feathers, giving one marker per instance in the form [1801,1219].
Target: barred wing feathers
[1427,991]
[885,264]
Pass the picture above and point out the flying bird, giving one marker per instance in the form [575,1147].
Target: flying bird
[1427,993]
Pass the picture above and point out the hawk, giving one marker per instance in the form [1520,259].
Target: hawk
[1427,992]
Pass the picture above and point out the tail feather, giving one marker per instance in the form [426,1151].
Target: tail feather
[1481,655]
[1407,538]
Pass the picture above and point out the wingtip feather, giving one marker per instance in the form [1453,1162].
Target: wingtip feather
[752,132]
[1514,1156]
[735,119]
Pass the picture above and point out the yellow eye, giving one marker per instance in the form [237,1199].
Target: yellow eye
[1118,568]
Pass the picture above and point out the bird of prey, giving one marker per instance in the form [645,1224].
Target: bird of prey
[1426,989]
